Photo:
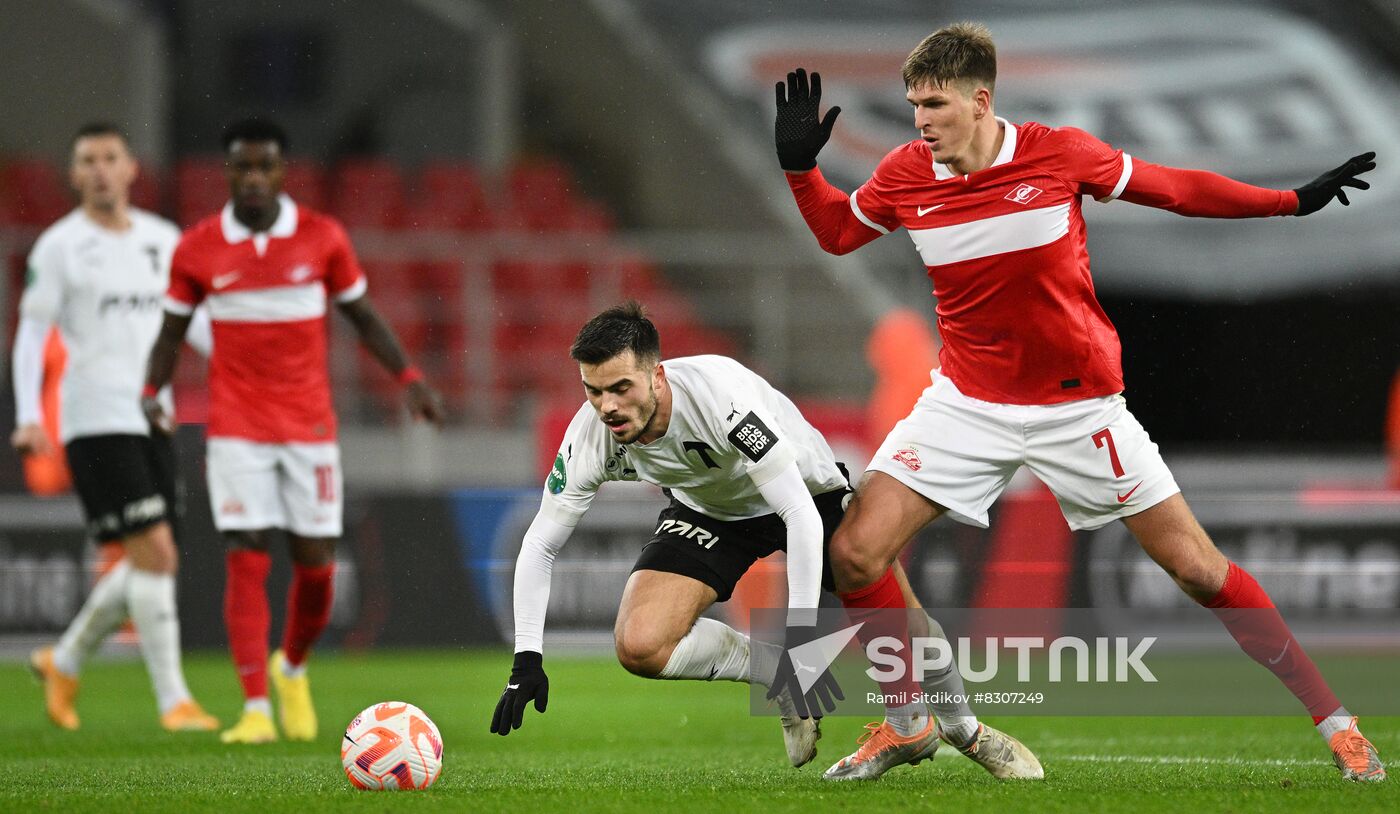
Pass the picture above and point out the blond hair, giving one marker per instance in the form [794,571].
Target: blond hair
[961,53]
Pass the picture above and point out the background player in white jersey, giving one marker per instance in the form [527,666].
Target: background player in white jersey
[1030,366]
[747,476]
[99,273]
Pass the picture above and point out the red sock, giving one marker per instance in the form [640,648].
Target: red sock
[1250,616]
[247,617]
[880,607]
[308,609]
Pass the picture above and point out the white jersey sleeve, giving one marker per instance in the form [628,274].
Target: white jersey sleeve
[46,281]
[750,429]
[580,467]
[787,493]
[533,571]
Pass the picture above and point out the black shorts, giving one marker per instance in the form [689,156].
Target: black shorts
[718,552]
[125,482]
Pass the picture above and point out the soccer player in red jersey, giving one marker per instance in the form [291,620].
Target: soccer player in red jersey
[266,268]
[1030,367]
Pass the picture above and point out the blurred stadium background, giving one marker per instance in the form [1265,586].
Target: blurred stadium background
[508,168]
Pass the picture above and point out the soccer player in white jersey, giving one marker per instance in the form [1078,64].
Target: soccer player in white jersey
[1030,367]
[100,273]
[747,476]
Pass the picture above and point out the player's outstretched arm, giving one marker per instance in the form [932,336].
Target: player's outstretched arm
[533,569]
[1319,192]
[799,135]
[160,368]
[376,335]
[1202,194]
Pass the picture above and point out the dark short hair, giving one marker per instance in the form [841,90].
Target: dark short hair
[959,53]
[98,128]
[255,129]
[620,328]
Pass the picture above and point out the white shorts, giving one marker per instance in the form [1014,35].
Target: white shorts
[961,452]
[265,486]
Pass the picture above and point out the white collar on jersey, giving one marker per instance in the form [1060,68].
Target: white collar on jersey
[284,226]
[1008,149]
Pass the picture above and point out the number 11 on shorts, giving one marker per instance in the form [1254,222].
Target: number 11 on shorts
[325,483]
[1102,437]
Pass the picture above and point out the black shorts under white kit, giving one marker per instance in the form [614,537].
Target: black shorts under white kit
[126,483]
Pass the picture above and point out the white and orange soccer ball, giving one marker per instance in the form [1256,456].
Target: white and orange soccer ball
[391,746]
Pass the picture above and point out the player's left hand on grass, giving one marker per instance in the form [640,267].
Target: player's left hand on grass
[527,682]
[1319,192]
[797,132]
[823,692]
[425,403]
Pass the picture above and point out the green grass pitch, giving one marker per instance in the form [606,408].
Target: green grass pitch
[612,742]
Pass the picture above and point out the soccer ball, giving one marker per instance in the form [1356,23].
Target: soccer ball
[391,746]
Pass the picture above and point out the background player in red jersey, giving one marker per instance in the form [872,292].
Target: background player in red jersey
[1031,370]
[266,268]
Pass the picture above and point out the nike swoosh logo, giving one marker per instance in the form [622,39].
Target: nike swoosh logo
[383,714]
[225,280]
[512,686]
[1279,657]
[1124,498]
[924,210]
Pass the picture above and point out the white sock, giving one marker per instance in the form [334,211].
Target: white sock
[293,672]
[102,613]
[151,598]
[711,650]
[1332,724]
[908,720]
[259,704]
[956,721]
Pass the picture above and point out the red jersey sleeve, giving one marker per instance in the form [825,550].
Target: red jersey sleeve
[1090,165]
[345,280]
[874,202]
[185,290]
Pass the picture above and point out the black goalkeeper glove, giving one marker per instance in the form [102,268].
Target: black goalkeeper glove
[1316,194]
[527,681]
[797,133]
[824,692]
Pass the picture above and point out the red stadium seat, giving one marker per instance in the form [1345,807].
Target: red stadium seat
[35,192]
[305,182]
[449,195]
[148,192]
[367,193]
[201,189]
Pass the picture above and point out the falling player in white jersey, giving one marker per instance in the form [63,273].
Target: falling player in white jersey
[747,476]
[99,273]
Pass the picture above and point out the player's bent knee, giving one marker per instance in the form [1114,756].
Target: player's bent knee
[642,654]
[853,565]
[152,549]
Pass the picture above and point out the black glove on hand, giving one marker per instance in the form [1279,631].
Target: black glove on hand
[824,692]
[527,681]
[1314,195]
[796,131]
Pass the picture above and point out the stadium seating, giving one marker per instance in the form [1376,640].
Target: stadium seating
[539,298]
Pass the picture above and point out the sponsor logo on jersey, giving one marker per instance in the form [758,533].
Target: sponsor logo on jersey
[909,458]
[558,478]
[616,465]
[300,274]
[752,437]
[1023,194]
[232,507]
[689,531]
[128,303]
